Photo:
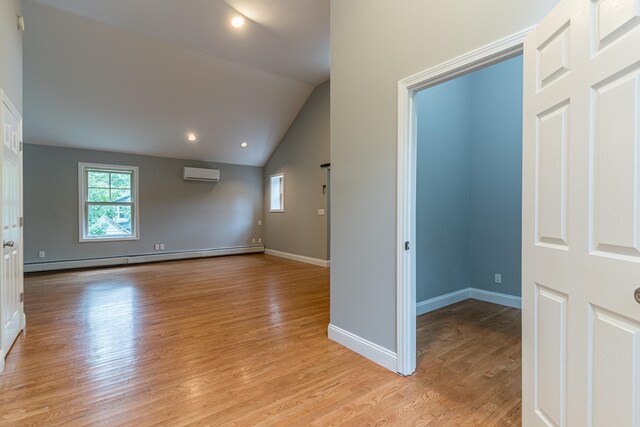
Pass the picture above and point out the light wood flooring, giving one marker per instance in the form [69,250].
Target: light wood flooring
[243,341]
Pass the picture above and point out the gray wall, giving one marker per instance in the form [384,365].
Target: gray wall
[496,177]
[11,51]
[469,192]
[443,263]
[299,229]
[184,215]
[373,45]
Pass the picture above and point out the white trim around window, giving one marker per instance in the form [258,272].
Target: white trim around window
[276,183]
[131,231]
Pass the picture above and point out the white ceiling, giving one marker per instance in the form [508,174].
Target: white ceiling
[137,75]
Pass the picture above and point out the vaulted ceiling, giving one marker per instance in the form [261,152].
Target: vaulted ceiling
[136,76]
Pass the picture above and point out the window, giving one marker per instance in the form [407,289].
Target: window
[277,193]
[108,202]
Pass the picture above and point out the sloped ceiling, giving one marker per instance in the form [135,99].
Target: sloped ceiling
[136,76]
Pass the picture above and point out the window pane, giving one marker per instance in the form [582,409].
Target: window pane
[109,221]
[98,179]
[118,195]
[107,205]
[276,192]
[98,195]
[120,180]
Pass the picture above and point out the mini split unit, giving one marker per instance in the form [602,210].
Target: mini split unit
[199,174]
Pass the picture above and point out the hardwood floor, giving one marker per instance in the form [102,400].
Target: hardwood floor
[241,341]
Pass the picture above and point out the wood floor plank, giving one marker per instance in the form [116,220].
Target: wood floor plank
[241,341]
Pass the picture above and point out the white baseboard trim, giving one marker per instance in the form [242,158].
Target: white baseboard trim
[363,347]
[495,298]
[454,297]
[300,258]
[442,301]
[137,259]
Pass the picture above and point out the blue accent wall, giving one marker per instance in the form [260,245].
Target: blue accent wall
[496,177]
[442,199]
[469,182]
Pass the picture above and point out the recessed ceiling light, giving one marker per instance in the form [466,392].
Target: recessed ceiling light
[244,145]
[237,21]
[192,137]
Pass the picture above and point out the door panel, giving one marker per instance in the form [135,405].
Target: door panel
[615,161]
[581,216]
[553,57]
[611,19]
[551,355]
[552,176]
[615,387]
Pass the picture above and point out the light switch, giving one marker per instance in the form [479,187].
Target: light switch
[320,211]
[259,222]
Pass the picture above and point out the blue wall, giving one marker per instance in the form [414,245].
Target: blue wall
[442,199]
[496,177]
[469,182]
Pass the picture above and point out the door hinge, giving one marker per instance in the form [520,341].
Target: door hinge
[21,221]
[20,145]
[406,246]
[21,296]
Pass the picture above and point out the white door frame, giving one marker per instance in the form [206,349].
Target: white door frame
[406,180]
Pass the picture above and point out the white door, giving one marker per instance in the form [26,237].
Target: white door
[581,216]
[11,270]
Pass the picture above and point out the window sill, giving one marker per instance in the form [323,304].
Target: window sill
[108,239]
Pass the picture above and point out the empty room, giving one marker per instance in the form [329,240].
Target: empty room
[320,212]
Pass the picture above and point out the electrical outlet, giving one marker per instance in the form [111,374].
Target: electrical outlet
[259,222]
[260,240]
[320,212]
[162,246]
[498,279]
[42,254]
[157,247]
[253,240]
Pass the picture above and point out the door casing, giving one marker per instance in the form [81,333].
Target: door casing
[485,56]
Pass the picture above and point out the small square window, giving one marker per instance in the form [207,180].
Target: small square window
[277,193]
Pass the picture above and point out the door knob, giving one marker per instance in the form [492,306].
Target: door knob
[10,243]
[636,294]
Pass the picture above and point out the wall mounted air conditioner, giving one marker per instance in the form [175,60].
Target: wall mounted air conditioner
[199,174]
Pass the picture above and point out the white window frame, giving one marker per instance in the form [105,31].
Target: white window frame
[281,176]
[83,204]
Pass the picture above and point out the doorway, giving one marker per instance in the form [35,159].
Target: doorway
[468,236]
[580,216]
[326,191]
[469,188]
[409,89]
